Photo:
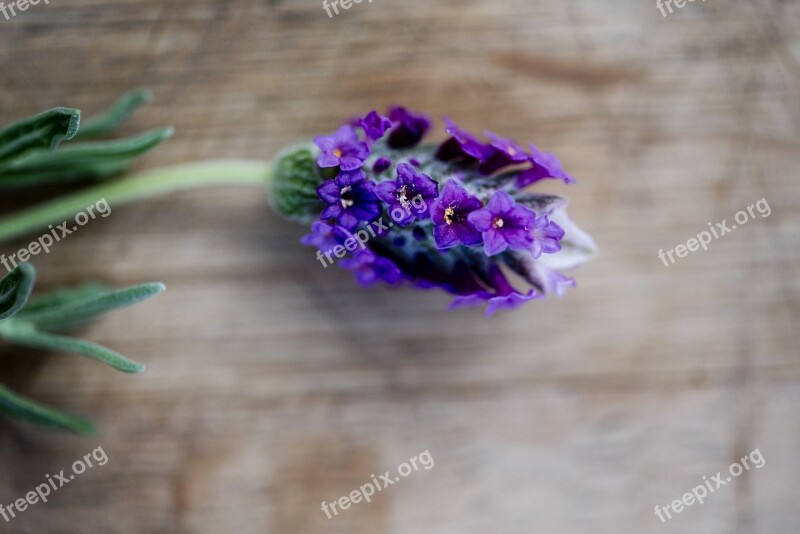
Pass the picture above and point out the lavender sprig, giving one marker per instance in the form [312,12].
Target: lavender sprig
[479,228]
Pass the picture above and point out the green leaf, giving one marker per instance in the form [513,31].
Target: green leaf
[43,131]
[116,115]
[24,333]
[82,160]
[15,288]
[22,408]
[63,296]
[75,310]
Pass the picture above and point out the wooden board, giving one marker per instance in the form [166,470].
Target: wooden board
[274,384]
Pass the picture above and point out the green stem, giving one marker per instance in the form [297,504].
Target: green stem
[144,185]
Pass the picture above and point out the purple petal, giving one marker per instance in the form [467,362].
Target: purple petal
[445,236]
[481,219]
[494,242]
[387,191]
[500,203]
[328,192]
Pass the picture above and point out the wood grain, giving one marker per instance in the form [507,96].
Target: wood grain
[274,384]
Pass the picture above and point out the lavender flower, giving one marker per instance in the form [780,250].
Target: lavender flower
[504,296]
[375,125]
[503,152]
[480,227]
[450,215]
[462,145]
[325,237]
[545,165]
[409,129]
[342,149]
[369,268]
[504,224]
[547,237]
[350,199]
[397,194]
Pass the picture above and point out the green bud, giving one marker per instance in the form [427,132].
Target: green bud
[292,191]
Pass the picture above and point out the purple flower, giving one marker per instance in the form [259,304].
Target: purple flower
[503,152]
[321,236]
[450,214]
[461,145]
[325,237]
[504,296]
[350,199]
[381,164]
[409,127]
[370,268]
[375,125]
[547,237]
[524,234]
[505,224]
[399,194]
[342,149]
[545,165]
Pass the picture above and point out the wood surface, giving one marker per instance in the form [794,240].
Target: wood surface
[274,384]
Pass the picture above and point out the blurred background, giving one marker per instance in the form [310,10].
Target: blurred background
[273,384]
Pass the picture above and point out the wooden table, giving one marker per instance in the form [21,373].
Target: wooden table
[274,384]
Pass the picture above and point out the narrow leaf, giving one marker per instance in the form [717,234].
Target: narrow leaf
[116,115]
[74,311]
[62,296]
[23,333]
[43,131]
[25,409]
[15,288]
[83,160]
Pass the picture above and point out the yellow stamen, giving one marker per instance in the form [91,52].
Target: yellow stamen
[448,215]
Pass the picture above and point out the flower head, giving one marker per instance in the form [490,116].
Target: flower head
[349,198]
[342,149]
[471,225]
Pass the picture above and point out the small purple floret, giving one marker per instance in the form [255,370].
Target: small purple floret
[375,125]
[409,127]
[461,145]
[504,224]
[547,237]
[503,152]
[545,165]
[349,198]
[342,149]
[504,296]
[450,214]
[370,268]
[409,187]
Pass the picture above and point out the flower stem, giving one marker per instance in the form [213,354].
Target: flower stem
[139,186]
